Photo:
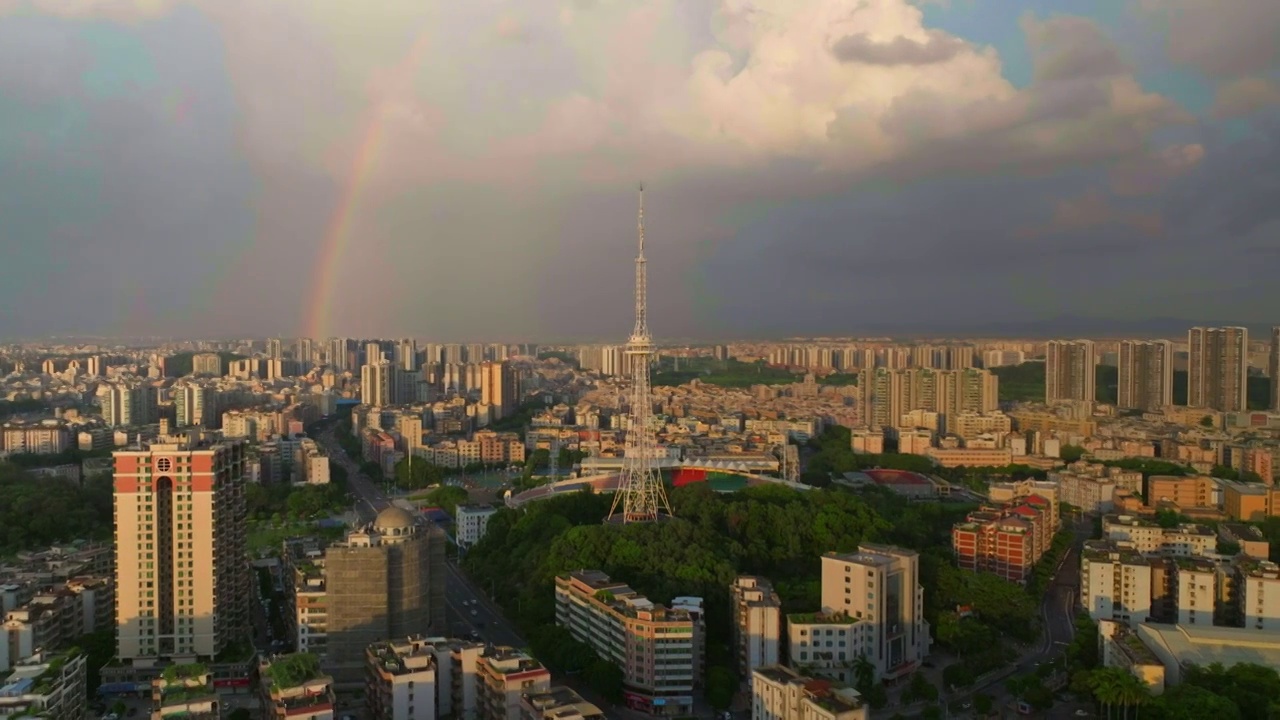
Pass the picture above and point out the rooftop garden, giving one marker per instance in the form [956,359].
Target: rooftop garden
[186,671]
[1137,650]
[290,671]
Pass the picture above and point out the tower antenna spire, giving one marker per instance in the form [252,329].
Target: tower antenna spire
[640,496]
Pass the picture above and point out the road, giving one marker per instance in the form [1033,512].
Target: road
[469,609]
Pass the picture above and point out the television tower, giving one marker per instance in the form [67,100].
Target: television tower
[640,496]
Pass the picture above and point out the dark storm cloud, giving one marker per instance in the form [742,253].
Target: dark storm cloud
[202,195]
[1233,195]
[126,186]
[938,48]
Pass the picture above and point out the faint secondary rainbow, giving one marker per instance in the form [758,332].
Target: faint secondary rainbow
[319,309]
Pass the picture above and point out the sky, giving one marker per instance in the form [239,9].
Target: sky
[468,171]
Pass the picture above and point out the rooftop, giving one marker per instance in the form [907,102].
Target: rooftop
[1109,551]
[818,618]
[1257,568]
[290,671]
[1204,645]
[1133,648]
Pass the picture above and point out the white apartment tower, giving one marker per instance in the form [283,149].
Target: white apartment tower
[378,384]
[880,585]
[1115,583]
[1197,590]
[193,405]
[1145,374]
[182,585]
[1070,371]
[1218,368]
[757,623]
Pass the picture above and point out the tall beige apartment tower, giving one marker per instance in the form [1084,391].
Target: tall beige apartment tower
[1070,371]
[182,581]
[498,388]
[1218,368]
[1273,369]
[880,585]
[1146,374]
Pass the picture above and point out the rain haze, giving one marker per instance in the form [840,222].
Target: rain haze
[467,170]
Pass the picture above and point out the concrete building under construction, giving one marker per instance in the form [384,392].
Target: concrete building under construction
[384,581]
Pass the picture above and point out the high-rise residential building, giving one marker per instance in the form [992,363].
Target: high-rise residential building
[660,650]
[1145,377]
[206,364]
[336,355]
[1218,368]
[1070,371]
[304,353]
[407,354]
[275,349]
[604,359]
[128,404]
[878,587]
[886,395]
[182,581]
[1115,583]
[194,404]
[757,626]
[385,581]
[378,384]
[1273,369]
[498,388]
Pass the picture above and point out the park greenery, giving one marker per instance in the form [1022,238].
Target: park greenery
[446,497]
[280,502]
[773,531]
[40,511]
[420,473]
[834,456]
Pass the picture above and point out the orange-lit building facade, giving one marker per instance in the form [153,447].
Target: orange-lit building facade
[182,582]
[1005,541]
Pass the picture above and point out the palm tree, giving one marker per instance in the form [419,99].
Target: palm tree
[1131,691]
[1105,686]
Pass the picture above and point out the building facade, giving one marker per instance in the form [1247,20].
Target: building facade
[659,649]
[1070,371]
[1145,377]
[182,582]
[1218,368]
[385,581]
[881,585]
[757,621]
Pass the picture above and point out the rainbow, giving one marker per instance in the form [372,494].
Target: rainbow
[318,310]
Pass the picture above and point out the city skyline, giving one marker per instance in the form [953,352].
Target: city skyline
[174,172]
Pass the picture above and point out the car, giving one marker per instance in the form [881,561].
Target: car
[474,613]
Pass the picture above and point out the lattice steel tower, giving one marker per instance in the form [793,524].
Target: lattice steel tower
[640,496]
